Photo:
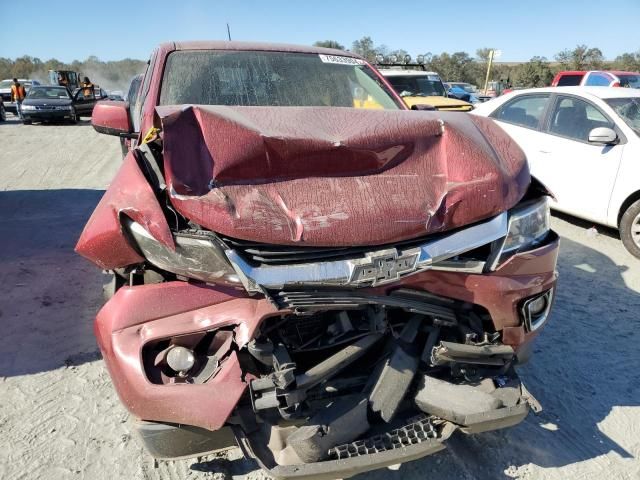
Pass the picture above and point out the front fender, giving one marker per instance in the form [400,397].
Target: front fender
[103,241]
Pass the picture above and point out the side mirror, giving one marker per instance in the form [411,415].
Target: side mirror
[423,106]
[112,118]
[603,136]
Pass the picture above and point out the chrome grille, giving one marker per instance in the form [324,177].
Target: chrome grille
[269,254]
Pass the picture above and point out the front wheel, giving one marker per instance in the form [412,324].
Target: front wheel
[630,229]
[3,114]
[26,122]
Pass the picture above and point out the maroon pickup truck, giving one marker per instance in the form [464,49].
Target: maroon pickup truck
[304,267]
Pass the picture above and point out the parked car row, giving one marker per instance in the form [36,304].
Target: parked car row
[45,103]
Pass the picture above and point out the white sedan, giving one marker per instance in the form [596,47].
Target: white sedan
[583,143]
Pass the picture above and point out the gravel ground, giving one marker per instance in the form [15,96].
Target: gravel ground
[61,419]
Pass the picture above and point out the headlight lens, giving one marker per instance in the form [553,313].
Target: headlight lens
[28,107]
[195,256]
[528,225]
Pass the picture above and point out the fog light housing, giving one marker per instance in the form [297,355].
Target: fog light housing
[535,310]
[180,359]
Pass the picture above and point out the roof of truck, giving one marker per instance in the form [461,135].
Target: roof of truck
[389,72]
[255,46]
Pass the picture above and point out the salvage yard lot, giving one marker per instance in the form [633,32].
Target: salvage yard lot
[60,417]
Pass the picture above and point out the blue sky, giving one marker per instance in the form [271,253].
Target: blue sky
[69,31]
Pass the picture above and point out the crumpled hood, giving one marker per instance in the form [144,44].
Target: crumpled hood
[321,176]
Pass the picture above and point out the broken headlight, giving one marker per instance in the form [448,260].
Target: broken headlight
[196,256]
[529,224]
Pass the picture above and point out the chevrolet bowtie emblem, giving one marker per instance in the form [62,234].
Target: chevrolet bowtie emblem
[384,267]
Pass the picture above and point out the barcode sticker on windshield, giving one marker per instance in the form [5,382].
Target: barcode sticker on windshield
[340,60]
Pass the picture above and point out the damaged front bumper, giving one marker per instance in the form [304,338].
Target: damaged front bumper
[238,385]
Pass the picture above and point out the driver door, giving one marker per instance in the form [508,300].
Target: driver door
[83,103]
[580,174]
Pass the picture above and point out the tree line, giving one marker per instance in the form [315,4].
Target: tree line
[112,75]
[455,67]
[462,67]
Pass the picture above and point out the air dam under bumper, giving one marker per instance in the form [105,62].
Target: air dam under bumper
[418,437]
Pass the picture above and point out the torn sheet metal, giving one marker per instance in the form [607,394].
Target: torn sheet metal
[103,241]
[336,176]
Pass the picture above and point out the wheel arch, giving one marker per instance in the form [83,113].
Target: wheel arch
[626,204]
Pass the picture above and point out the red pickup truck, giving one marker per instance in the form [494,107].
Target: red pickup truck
[305,267]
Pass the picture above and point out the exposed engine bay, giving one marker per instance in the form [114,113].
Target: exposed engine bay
[341,384]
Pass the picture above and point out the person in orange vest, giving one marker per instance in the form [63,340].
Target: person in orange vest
[17,95]
[88,89]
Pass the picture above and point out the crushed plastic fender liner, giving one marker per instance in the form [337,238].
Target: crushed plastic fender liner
[336,176]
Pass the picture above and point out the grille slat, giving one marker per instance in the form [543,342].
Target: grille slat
[307,302]
[267,254]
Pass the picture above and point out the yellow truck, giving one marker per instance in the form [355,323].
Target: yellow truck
[417,87]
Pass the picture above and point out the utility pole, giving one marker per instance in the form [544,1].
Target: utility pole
[228,32]
[486,80]
[493,54]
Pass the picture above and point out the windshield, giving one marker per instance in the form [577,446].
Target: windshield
[631,81]
[6,83]
[628,109]
[417,85]
[48,93]
[271,79]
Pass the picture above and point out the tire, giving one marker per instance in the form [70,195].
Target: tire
[630,229]
[3,114]
[26,122]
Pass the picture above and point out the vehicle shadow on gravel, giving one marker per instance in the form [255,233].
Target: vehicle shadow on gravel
[50,294]
[586,224]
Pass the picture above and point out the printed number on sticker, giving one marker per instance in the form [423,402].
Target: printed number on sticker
[340,60]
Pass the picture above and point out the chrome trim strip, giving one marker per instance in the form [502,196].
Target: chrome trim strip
[374,268]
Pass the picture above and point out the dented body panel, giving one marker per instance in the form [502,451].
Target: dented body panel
[138,315]
[102,241]
[321,176]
